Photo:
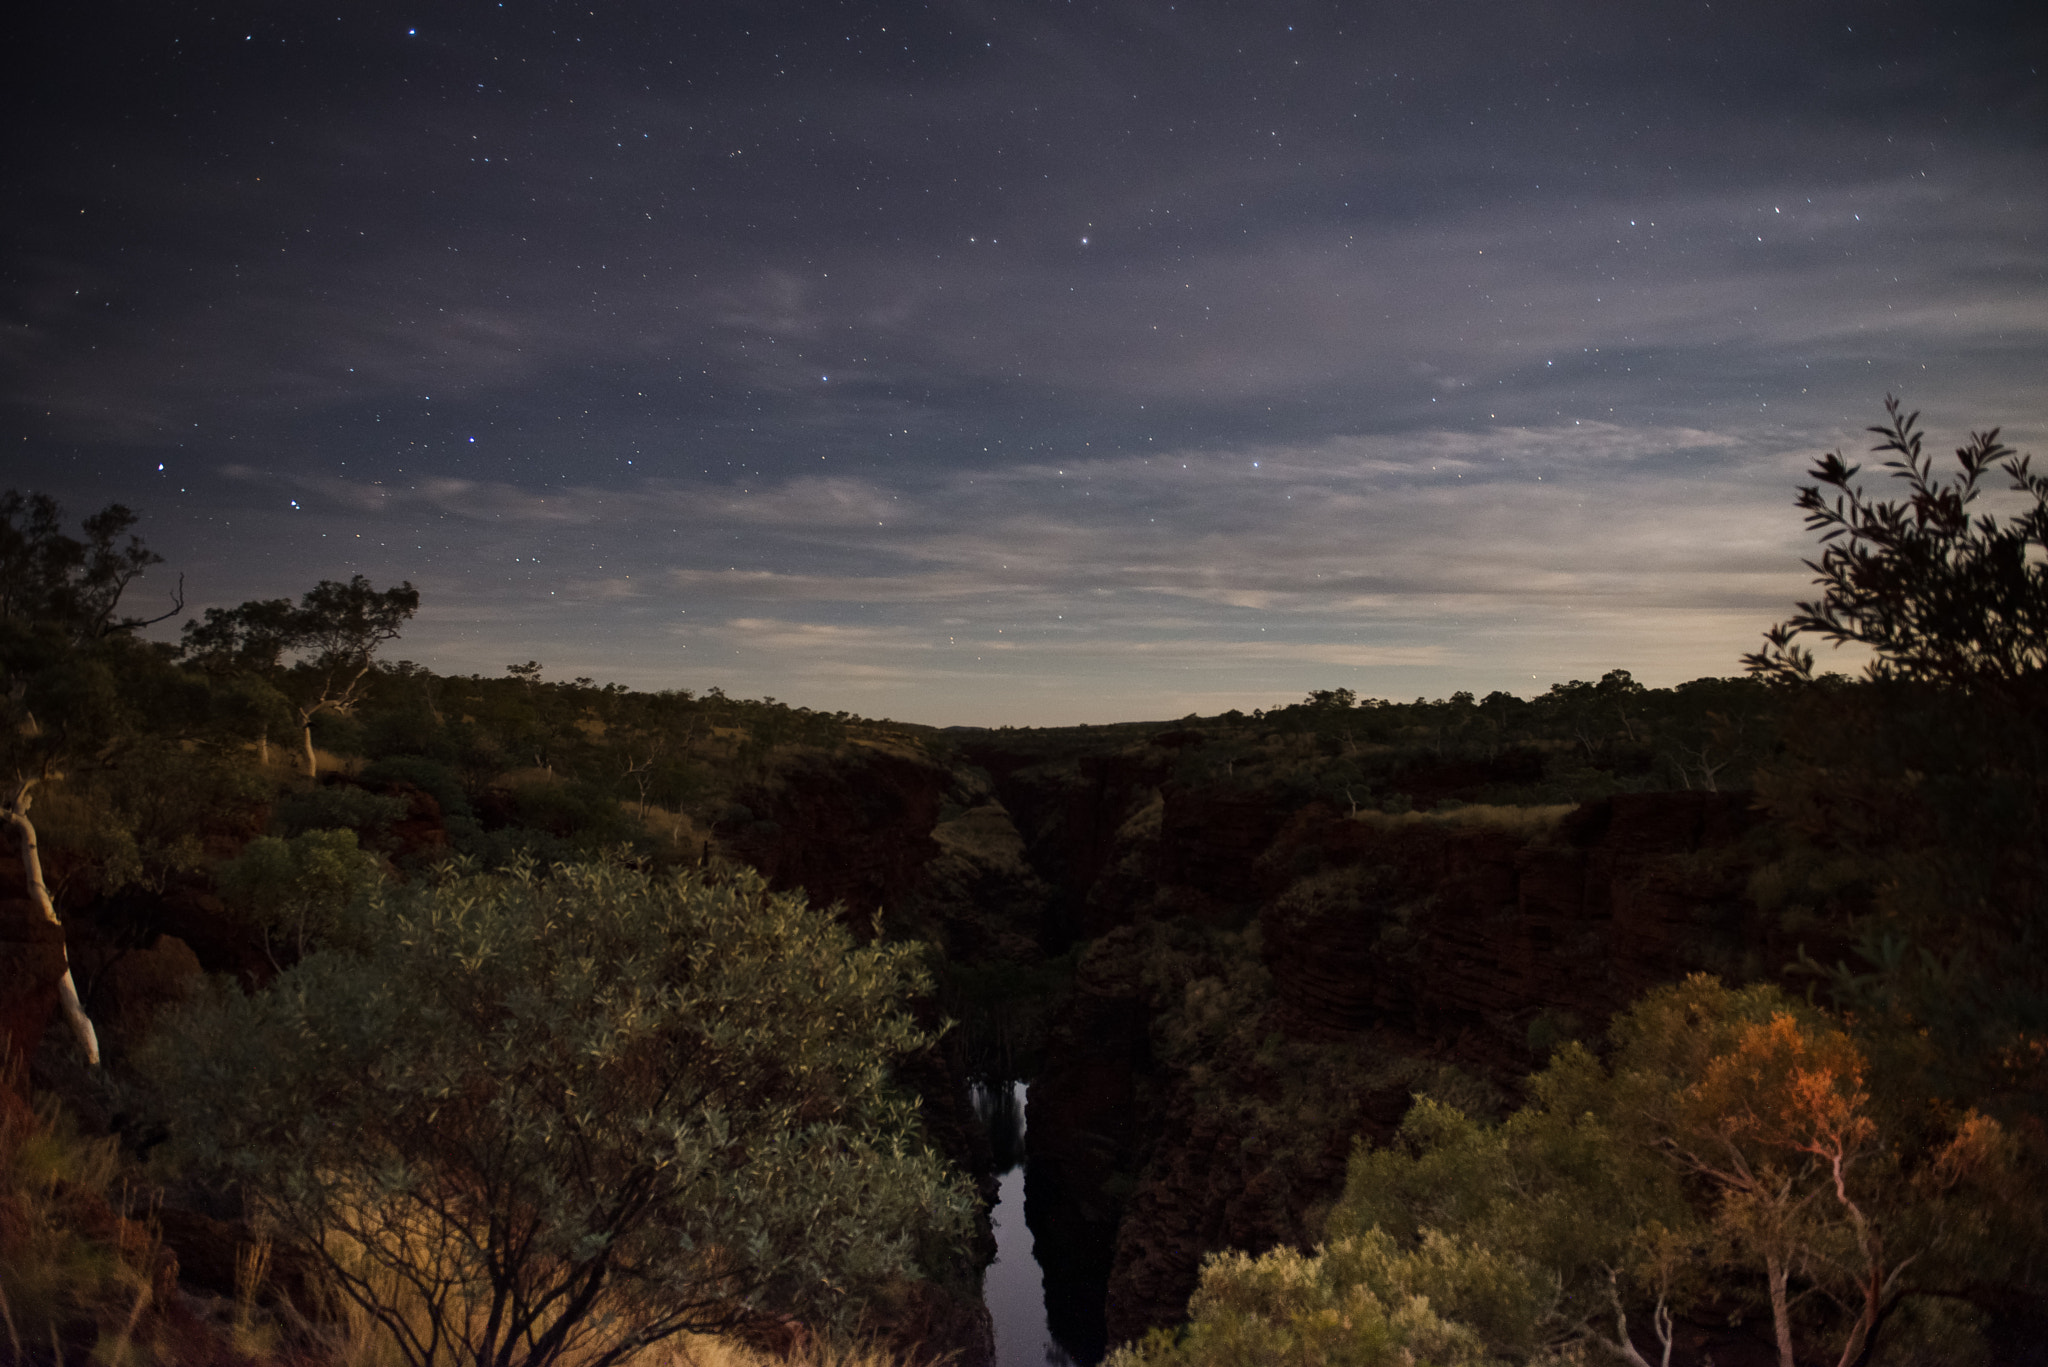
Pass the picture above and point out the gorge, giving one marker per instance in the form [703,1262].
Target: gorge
[1214,989]
[1212,977]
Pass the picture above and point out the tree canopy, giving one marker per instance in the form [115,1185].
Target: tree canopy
[572,1114]
[1939,593]
[63,583]
[1913,804]
[335,632]
[1731,1148]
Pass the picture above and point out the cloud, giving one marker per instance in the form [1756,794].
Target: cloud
[769,586]
[478,500]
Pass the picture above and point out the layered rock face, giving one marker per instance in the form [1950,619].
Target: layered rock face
[1436,927]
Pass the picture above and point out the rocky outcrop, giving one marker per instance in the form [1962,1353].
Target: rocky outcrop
[852,828]
[1432,926]
[1071,811]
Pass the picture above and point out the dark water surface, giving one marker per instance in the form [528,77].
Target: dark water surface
[1014,1287]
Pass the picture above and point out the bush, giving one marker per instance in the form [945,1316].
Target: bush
[1358,1303]
[298,892]
[336,806]
[435,779]
[580,813]
[575,1114]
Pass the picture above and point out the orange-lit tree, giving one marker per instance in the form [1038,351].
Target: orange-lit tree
[1731,1147]
[1767,1101]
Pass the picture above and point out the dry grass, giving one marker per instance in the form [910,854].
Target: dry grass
[363,1343]
[74,1258]
[666,826]
[697,1351]
[1528,822]
[353,1338]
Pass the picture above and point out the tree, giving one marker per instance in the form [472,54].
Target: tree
[298,892]
[1766,1101]
[335,631]
[536,1117]
[1915,801]
[1590,1222]
[58,582]
[1939,596]
[73,700]
[60,646]
[1731,1143]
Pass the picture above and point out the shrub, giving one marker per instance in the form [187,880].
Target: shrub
[298,892]
[575,1114]
[334,807]
[1357,1303]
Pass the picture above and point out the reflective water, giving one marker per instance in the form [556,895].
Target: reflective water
[1014,1287]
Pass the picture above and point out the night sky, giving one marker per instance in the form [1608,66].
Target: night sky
[1031,362]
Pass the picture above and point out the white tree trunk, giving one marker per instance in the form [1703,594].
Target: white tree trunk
[39,893]
[1778,1274]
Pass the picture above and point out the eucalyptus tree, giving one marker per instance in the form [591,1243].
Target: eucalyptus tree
[331,638]
[1735,1146]
[63,644]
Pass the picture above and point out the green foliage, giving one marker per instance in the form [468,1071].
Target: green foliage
[1939,595]
[298,892]
[1359,1302]
[336,806]
[1734,1131]
[155,811]
[458,817]
[1730,1152]
[576,1113]
[1558,1190]
[581,814]
[1913,803]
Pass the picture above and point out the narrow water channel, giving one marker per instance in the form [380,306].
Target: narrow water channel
[1014,1286]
